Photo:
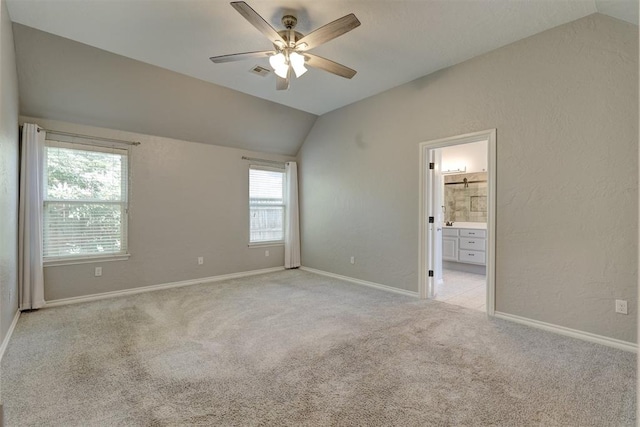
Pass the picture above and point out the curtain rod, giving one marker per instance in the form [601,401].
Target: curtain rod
[97,138]
[263,160]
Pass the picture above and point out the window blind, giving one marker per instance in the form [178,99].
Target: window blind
[85,201]
[266,205]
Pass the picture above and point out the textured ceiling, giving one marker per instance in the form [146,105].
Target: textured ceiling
[397,42]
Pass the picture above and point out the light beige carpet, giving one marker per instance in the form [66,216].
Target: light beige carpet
[294,348]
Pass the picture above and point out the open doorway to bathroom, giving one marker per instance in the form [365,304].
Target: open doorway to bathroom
[464,188]
[458,220]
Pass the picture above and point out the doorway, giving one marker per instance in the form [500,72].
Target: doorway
[457,220]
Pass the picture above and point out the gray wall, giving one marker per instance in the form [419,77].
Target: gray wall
[8,175]
[187,200]
[565,105]
[65,80]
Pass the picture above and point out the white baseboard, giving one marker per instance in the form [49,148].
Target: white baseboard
[132,291]
[574,333]
[5,341]
[362,282]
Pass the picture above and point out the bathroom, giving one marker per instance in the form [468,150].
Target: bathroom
[464,171]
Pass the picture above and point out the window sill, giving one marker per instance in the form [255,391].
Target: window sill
[86,260]
[265,244]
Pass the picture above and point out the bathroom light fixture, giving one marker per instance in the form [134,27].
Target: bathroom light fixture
[451,171]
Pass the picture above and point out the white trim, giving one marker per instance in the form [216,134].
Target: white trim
[5,341]
[492,159]
[85,260]
[422,225]
[486,135]
[101,147]
[574,333]
[132,291]
[362,282]
[262,167]
[266,244]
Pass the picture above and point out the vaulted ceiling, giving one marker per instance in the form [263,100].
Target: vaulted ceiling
[397,42]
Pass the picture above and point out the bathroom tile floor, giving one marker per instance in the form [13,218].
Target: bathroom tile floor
[463,289]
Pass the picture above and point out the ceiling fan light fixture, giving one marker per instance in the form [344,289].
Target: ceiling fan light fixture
[277,60]
[282,71]
[279,64]
[290,46]
[297,63]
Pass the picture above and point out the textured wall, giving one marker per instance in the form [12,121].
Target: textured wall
[65,80]
[565,105]
[187,200]
[8,174]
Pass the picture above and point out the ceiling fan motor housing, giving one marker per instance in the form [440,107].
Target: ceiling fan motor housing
[286,34]
[289,21]
[290,36]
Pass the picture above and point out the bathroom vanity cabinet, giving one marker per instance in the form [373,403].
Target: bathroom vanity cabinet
[467,245]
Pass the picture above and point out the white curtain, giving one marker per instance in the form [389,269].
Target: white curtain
[291,220]
[30,273]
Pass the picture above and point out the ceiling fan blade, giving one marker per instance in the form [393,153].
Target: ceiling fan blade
[328,32]
[328,65]
[283,84]
[257,21]
[241,56]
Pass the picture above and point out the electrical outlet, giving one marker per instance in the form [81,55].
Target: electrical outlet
[353,260]
[266,253]
[621,306]
[98,271]
[200,260]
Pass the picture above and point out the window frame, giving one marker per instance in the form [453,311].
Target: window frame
[266,243]
[88,145]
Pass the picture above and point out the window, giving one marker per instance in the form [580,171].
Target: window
[266,205]
[85,201]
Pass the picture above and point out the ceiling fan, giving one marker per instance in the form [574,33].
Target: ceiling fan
[291,48]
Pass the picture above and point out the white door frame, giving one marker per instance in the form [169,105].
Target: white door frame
[426,232]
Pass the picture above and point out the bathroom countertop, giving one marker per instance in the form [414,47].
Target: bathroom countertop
[478,225]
